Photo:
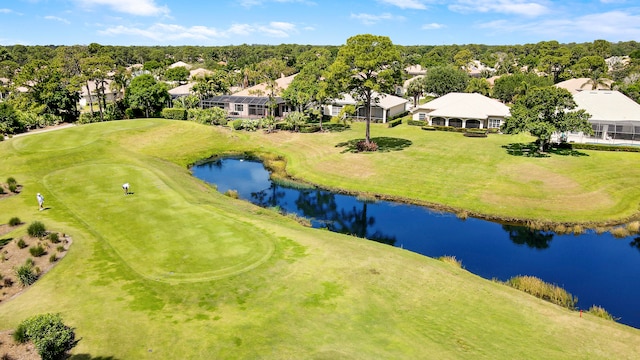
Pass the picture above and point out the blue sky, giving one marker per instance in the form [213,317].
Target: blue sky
[316,22]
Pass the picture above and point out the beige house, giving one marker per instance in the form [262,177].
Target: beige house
[386,108]
[581,84]
[463,110]
[110,94]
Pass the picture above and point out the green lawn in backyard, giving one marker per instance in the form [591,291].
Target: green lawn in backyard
[177,270]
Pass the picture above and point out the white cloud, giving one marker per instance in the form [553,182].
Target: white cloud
[433,26]
[406,4]
[516,7]
[371,19]
[251,3]
[613,26]
[134,7]
[55,18]
[5,11]
[171,32]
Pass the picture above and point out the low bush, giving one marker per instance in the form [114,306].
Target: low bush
[451,260]
[603,147]
[232,193]
[53,258]
[634,227]
[60,248]
[309,129]
[54,238]
[237,124]
[417,123]
[49,335]
[540,289]
[11,181]
[37,251]
[26,274]
[449,128]
[13,188]
[37,229]
[428,128]
[394,123]
[174,113]
[600,312]
[1,188]
[620,232]
[14,221]
[21,243]
[363,146]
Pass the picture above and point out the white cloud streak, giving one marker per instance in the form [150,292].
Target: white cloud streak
[512,7]
[161,32]
[133,7]
[56,18]
[371,19]
[433,26]
[406,4]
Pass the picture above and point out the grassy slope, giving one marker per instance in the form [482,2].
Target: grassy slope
[178,271]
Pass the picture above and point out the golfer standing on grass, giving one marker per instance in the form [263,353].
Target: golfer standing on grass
[40,201]
[125,187]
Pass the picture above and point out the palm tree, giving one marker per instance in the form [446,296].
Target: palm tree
[596,79]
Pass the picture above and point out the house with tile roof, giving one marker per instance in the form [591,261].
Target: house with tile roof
[463,110]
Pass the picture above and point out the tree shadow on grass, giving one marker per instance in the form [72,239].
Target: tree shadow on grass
[532,150]
[89,357]
[385,144]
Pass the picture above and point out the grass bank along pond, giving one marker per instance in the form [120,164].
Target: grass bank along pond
[594,267]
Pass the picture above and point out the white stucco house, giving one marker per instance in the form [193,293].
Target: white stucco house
[383,110]
[615,118]
[463,110]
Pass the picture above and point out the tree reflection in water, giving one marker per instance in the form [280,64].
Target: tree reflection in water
[534,239]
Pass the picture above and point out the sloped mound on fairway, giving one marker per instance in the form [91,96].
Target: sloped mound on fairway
[154,229]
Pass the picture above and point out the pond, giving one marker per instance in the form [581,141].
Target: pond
[597,268]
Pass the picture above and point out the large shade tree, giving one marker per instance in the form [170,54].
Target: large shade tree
[543,111]
[441,80]
[367,66]
[146,94]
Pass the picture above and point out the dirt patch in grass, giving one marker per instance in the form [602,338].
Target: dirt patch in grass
[10,350]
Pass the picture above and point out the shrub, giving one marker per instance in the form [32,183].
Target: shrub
[237,124]
[14,221]
[634,227]
[37,251]
[21,244]
[416,122]
[309,128]
[429,128]
[540,289]
[54,238]
[174,114]
[250,124]
[600,312]
[476,133]
[60,248]
[232,193]
[11,181]
[53,258]
[394,123]
[88,117]
[602,147]
[451,260]
[13,188]
[51,337]
[1,188]
[37,229]
[26,274]
[620,232]
[20,334]
[362,146]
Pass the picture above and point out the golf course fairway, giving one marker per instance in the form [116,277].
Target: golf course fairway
[176,270]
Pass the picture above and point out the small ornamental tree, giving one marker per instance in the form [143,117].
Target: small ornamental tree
[543,111]
[51,337]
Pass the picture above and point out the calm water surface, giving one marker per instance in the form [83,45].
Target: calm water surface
[598,269]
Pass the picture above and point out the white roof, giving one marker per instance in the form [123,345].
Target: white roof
[607,105]
[199,72]
[180,63]
[283,83]
[465,105]
[181,90]
[386,101]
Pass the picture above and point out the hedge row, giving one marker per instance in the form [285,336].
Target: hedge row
[174,113]
[603,147]
[394,123]
[417,122]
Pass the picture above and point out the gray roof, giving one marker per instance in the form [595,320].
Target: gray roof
[250,100]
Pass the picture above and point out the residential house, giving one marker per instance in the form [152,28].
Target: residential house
[615,118]
[386,108]
[580,84]
[463,110]
[111,95]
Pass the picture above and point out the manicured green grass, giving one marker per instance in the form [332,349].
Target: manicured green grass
[177,270]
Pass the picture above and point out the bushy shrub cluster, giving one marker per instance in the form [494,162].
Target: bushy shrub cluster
[543,290]
[394,123]
[36,229]
[212,116]
[174,113]
[237,124]
[12,184]
[309,128]
[37,251]
[429,128]
[26,273]
[476,133]
[363,146]
[417,122]
[14,221]
[600,312]
[54,238]
[50,336]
